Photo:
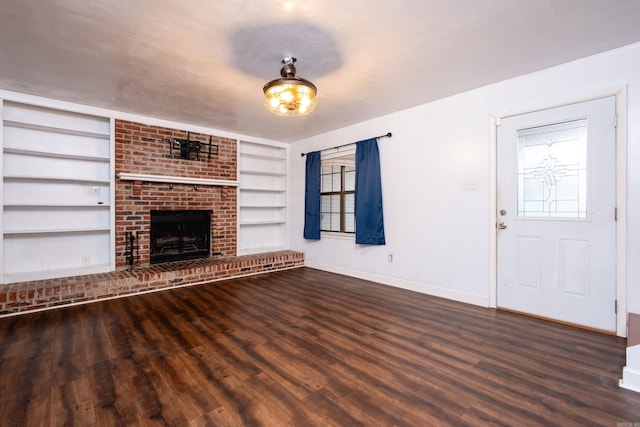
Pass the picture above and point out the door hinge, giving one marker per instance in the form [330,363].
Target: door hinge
[615,120]
[615,307]
[615,213]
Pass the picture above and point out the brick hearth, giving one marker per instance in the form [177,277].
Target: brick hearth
[44,294]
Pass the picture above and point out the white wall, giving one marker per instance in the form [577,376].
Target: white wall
[439,235]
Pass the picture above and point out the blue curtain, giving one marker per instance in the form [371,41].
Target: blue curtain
[368,198]
[312,197]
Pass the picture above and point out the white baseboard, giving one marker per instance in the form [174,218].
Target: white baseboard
[631,372]
[411,285]
[630,379]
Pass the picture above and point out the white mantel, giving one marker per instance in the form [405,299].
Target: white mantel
[124,176]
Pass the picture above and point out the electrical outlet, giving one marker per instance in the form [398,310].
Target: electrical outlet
[390,257]
[85,260]
[94,191]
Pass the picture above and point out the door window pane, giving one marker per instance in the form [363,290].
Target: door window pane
[552,171]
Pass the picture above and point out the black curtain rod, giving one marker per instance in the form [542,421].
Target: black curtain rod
[386,135]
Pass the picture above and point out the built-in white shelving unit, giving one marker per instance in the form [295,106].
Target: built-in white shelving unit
[56,193]
[262,199]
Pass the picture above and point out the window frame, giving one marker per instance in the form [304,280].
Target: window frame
[344,160]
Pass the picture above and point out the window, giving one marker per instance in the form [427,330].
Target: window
[552,171]
[337,195]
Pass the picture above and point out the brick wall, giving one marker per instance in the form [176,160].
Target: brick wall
[141,149]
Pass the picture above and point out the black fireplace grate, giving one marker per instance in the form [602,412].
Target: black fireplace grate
[180,235]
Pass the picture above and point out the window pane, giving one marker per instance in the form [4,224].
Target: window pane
[349,213]
[552,171]
[335,203]
[330,178]
[325,212]
[335,222]
[326,183]
[335,181]
[325,222]
[349,178]
[330,212]
[328,169]
[349,203]
[335,212]
[349,223]
[325,204]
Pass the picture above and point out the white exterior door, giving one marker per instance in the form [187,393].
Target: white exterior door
[556,214]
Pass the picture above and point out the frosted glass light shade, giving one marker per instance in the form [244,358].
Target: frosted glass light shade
[290,96]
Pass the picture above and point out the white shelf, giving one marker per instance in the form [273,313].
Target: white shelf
[50,155]
[263,190]
[262,222]
[57,231]
[54,129]
[269,222]
[56,205]
[262,156]
[54,179]
[35,153]
[262,206]
[262,173]
[175,179]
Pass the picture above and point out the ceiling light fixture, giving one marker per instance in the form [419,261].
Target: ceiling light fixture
[290,95]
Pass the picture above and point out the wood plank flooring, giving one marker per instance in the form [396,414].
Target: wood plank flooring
[304,348]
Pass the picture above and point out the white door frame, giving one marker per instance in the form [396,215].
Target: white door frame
[620,94]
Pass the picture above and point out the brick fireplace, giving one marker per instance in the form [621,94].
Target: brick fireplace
[141,156]
[142,149]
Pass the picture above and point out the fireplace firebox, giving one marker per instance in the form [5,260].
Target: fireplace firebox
[180,235]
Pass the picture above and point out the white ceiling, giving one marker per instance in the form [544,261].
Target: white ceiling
[204,62]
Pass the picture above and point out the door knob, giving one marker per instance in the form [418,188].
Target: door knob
[502,225]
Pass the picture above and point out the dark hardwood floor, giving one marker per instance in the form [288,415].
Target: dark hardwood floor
[300,348]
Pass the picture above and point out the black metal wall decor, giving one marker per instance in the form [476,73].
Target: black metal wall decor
[190,149]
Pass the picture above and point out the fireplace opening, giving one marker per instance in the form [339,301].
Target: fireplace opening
[180,235]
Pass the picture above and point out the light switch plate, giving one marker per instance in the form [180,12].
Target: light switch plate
[469,185]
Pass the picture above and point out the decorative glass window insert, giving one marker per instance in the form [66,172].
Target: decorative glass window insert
[552,171]
[337,200]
